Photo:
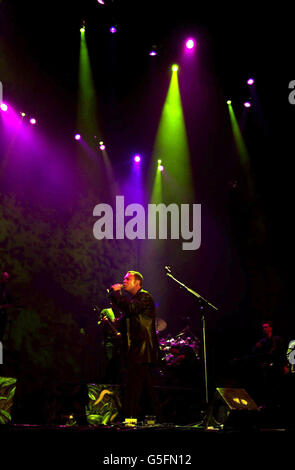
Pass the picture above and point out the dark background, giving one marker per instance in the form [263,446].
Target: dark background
[48,191]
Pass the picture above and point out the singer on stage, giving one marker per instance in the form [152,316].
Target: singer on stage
[140,345]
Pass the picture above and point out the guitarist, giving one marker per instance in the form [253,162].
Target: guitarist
[110,325]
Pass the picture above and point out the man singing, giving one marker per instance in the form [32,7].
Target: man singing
[140,345]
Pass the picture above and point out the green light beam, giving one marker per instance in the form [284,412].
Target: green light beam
[157,195]
[239,141]
[87,121]
[171,142]
[242,149]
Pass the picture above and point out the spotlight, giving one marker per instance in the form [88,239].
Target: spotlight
[228,102]
[137,158]
[23,114]
[113,29]
[77,136]
[175,68]
[190,43]
[101,145]
[159,162]
[101,2]
[33,121]
[247,104]
[83,27]
[161,167]
[153,51]
[250,81]
[3,107]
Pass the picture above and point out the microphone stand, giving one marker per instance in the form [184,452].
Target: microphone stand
[204,302]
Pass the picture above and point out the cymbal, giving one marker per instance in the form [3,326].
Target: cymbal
[160,324]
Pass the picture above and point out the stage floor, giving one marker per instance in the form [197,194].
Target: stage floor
[141,446]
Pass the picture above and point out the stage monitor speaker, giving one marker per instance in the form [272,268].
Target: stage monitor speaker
[7,391]
[104,403]
[83,404]
[232,408]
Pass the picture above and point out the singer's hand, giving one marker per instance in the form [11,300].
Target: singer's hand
[117,287]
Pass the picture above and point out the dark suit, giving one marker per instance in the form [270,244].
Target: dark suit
[140,347]
[270,357]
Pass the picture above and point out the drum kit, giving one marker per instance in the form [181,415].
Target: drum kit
[172,347]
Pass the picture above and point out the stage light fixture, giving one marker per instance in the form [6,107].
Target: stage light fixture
[190,43]
[175,68]
[101,145]
[250,81]
[77,136]
[83,27]
[33,121]
[23,114]
[159,162]
[153,51]
[247,104]
[113,29]
[228,102]
[100,1]
[161,167]
[137,158]
[3,107]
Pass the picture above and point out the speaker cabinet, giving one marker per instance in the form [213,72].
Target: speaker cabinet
[232,408]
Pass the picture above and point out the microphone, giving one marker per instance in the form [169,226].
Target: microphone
[168,269]
[110,290]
